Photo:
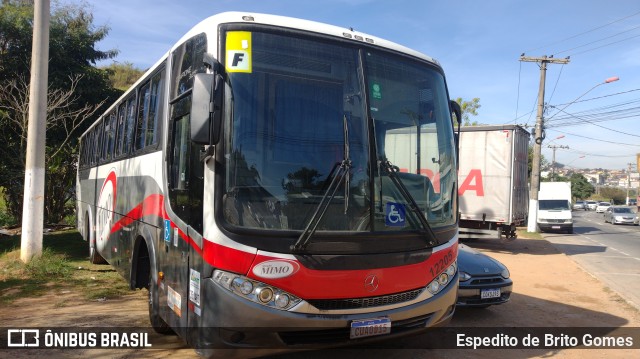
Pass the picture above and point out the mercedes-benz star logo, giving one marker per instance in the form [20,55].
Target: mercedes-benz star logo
[371,283]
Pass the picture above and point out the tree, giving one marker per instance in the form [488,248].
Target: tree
[616,195]
[122,76]
[580,186]
[469,108]
[77,89]
[543,161]
[64,117]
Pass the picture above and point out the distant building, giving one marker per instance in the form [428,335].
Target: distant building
[594,178]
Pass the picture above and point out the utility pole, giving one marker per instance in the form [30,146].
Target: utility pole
[630,166]
[538,138]
[553,162]
[33,207]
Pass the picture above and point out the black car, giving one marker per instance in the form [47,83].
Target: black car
[483,280]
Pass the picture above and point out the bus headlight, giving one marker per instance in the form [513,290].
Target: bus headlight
[442,280]
[264,294]
[282,300]
[255,291]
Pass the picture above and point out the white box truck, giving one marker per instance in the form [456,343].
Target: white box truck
[494,186]
[554,207]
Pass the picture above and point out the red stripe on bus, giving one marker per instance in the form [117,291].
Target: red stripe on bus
[321,284]
[150,206]
[227,258]
[153,205]
[306,283]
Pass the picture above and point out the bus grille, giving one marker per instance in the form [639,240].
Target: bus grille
[341,335]
[338,304]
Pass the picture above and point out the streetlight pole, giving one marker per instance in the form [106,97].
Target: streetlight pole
[573,160]
[607,81]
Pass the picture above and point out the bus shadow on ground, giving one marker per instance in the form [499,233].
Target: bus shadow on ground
[535,247]
[523,315]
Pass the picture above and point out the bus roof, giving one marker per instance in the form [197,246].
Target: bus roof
[210,26]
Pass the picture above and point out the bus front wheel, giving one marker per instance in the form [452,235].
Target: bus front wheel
[158,324]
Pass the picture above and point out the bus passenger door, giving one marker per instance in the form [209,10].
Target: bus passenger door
[174,257]
[183,241]
[183,257]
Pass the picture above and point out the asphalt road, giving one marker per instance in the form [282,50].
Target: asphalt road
[609,252]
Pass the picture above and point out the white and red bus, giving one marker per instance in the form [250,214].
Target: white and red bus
[247,180]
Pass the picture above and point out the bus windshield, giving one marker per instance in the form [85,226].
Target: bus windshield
[305,109]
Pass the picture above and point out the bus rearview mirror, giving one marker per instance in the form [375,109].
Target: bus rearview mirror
[205,108]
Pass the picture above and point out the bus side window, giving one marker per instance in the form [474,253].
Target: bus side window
[130,121]
[180,154]
[120,134]
[155,108]
[143,116]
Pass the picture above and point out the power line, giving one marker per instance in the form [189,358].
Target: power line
[599,97]
[586,32]
[605,45]
[606,128]
[607,113]
[598,154]
[598,139]
[556,85]
[602,39]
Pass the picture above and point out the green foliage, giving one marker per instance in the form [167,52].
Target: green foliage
[543,160]
[554,178]
[615,195]
[63,265]
[73,54]
[48,266]
[469,108]
[123,75]
[580,186]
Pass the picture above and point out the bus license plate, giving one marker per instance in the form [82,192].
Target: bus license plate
[370,327]
[555,227]
[489,293]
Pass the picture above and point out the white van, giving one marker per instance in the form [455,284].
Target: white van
[554,207]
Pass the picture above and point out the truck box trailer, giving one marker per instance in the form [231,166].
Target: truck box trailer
[494,185]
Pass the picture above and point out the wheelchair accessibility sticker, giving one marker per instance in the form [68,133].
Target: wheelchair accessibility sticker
[167,230]
[395,215]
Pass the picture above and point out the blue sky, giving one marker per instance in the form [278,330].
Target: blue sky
[479,45]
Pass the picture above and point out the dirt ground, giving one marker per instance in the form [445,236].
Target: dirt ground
[550,290]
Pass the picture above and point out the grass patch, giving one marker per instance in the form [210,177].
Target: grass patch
[63,267]
[522,233]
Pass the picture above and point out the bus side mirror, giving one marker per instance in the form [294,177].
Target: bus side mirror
[457,110]
[206,108]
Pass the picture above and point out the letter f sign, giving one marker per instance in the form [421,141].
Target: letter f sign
[237,57]
[238,61]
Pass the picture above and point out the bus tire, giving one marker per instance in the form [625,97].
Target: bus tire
[94,256]
[157,323]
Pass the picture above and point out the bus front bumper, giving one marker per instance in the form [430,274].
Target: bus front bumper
[230,323]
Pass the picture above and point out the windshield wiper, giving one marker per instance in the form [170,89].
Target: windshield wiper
[343,173]
[413,206]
